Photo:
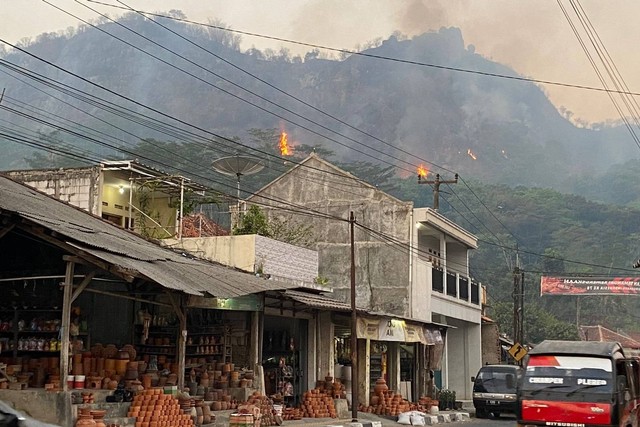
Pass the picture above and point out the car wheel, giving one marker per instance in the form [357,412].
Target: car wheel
[496,414]
[481,413]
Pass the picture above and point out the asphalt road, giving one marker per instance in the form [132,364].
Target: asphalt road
[502,421]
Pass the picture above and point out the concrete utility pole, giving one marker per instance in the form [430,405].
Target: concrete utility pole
[354,329]
[436,187]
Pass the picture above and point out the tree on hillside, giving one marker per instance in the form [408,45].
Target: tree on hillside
[54,153]
[254,221]
[539,324]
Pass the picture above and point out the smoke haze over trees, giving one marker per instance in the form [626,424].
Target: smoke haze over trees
[520,151]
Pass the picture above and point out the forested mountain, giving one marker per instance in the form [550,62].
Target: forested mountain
[182,95]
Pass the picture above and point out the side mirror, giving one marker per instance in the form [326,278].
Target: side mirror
[473,379]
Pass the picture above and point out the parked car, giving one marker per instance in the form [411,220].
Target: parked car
[495,390]
[9,417]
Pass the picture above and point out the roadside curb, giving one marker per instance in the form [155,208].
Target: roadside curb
[441,418]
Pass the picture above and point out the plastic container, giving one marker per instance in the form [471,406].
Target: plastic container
[78,382]
[70,381]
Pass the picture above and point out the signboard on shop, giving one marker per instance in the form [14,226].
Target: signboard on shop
[390,329]
[244,303]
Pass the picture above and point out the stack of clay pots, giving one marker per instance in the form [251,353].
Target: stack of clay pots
[265,406]
[386,402]
[332,388]
[152,408]
[318,404]
[292,414]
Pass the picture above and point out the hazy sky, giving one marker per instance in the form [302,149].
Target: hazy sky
[532,36]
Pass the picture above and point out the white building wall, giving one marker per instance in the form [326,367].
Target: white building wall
[78,187]
[464,358]
[287,261]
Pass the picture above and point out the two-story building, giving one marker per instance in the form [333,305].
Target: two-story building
[412,269]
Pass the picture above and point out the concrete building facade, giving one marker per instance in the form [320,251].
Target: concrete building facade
[411,264]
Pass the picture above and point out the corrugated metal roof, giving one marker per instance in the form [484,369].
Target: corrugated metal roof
[128,250]
[328,303]
[318,301]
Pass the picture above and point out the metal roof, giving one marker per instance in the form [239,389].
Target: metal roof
[590,348]
[328,303]
[127,250]
[318,301]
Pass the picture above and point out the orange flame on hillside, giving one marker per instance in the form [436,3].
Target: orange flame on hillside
[422,172]
[285,149]
[470,153]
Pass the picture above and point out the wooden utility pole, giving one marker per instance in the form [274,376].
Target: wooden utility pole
[436,187]
[354,330]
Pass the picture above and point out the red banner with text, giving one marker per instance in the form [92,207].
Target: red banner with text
[550,285]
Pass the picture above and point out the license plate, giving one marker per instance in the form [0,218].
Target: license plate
[492,402]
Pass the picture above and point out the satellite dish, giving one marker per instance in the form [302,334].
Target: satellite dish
[238,165]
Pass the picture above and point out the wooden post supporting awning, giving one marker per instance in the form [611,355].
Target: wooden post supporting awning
[177,302]
[66,322]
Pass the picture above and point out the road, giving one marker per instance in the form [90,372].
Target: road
[503,421]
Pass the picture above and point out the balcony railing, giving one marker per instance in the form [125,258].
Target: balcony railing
[463,288]
[475,293]
[437,280]
[451,284]
[455,285]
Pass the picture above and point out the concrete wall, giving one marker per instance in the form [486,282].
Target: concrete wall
[325,350]
[254,253]
[284,260]
[457,260]
[77,186]
[382,270]
[490,344]
[421,290]
[234,251]
[463,360]
[48,407]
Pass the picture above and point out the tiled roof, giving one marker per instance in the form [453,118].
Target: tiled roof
[600,333]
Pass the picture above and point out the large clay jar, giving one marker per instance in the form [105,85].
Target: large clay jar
[381,386]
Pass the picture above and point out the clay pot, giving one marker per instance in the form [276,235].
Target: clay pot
[85,420]
[98,417]
[146,381]
[381,386]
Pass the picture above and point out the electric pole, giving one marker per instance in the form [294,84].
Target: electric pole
[518,304]
[436,187]
[355,387]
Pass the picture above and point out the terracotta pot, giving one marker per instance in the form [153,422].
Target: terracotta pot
[85,420]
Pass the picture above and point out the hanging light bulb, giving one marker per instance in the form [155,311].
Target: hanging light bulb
[121,189]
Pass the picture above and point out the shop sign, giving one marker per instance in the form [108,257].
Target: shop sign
[389,330]
[243,303]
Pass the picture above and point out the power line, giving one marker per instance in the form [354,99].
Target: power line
[369,55]
[279,90]
[239,87]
